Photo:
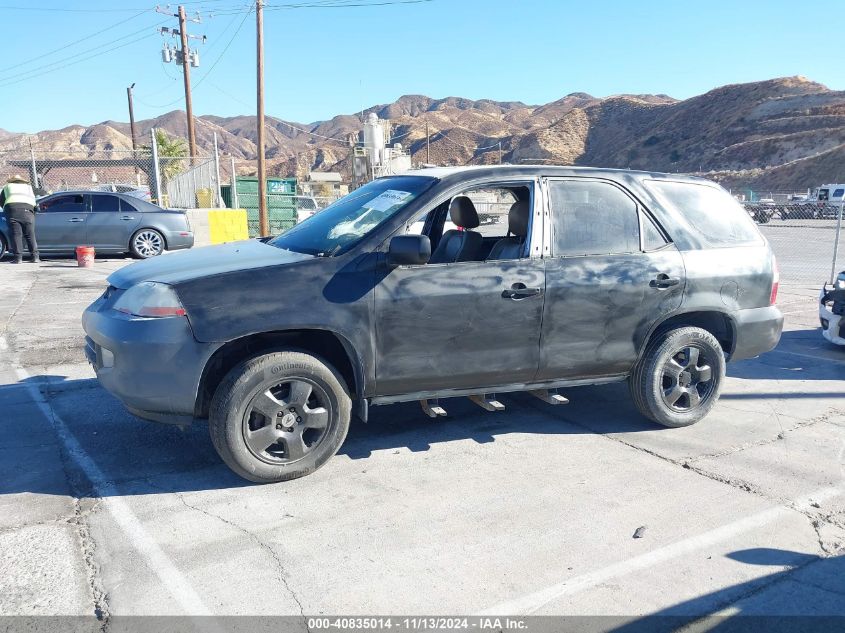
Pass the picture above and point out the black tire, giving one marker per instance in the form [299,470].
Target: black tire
[146,243]
[653,383]
[3,246]
[239,426]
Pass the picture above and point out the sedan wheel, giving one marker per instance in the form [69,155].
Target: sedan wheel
[147,243]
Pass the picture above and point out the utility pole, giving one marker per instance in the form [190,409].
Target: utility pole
[500,152]
[186,70]
[131,115]
[427,146]
[187,58]
[263,219]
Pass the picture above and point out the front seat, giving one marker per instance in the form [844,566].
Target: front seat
[511,247]
[459,246]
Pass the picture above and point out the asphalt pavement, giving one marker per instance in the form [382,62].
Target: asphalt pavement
[584,508]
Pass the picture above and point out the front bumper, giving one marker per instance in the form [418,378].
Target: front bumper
[153,366]
[758,331]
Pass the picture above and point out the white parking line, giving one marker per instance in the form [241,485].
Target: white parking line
[531,602]
[157,561]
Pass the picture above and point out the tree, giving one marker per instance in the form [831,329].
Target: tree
[171,153]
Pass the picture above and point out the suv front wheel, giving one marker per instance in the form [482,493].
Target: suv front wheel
[678,379]
[279,416]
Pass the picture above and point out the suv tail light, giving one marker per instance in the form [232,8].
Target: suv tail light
[775,281]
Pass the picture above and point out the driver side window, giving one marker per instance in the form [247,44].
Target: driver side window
[478,224]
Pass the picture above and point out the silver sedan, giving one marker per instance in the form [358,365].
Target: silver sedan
[110,222]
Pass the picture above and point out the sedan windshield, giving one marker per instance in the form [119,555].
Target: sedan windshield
[352,217]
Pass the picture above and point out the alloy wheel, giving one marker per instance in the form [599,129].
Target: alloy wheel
[285,422]
[148,244]
[687,379]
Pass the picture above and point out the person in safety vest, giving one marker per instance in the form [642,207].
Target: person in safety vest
[18,202]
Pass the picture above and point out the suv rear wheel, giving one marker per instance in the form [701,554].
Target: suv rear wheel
[677,382]
[279,416]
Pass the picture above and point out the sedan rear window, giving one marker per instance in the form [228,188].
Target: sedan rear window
[710,210]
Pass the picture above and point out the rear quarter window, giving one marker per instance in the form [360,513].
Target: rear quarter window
[710,210]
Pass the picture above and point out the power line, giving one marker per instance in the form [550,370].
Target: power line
[208,72]
[64,62]
[341,4]
[79,61]
[82,39]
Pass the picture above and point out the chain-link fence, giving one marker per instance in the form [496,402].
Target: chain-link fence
[170,181]
[806,238]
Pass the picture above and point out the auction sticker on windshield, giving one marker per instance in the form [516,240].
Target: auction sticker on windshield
[387,200]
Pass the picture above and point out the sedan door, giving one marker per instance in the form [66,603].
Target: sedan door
[111,222]
[611,275]
[60,222]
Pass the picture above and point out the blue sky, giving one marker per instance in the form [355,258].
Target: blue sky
[326,61]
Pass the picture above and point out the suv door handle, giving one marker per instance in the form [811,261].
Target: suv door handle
[664,281]
[77,220]
[127,217]
[519,291]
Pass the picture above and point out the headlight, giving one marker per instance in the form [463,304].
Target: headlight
[150,299]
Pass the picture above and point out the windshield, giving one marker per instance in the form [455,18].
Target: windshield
[352,217]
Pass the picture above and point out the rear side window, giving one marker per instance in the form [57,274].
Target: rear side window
[838,193]
[710,210]
[105,204]
[592,218]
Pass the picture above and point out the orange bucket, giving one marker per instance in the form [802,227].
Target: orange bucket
[85,256]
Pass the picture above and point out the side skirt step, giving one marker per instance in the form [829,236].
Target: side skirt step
[488,404]
[432,410]
[548,397]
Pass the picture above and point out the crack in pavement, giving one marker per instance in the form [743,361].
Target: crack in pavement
[824,418]
[27,292]
[686,464]
[254,538]
[99,597]
[88,547]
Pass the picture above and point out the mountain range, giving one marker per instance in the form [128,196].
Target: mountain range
[784,133]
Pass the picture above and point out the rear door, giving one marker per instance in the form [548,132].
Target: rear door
[60,222]
[611,275]
[111,222]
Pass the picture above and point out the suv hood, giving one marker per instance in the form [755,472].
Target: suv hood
[206,261]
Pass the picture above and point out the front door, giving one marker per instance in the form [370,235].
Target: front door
[111,222]
[463,325]
[60,222]
[612,273]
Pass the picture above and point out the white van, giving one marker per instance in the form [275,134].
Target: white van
[830,193]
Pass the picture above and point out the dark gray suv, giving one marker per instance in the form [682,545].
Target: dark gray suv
[400,292]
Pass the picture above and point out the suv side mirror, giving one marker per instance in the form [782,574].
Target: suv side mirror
[408,250]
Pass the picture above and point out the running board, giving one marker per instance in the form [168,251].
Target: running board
[548,397]
[432,411]
[488,404]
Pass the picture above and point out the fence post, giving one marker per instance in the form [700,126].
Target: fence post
[217,192]
[836,243]
[236,202]
[34,179]
[156,170]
